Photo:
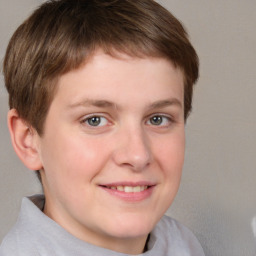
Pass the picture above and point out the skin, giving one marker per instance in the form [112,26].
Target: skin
[114,121]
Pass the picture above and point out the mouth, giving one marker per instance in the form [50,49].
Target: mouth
[128,189]
[130,192]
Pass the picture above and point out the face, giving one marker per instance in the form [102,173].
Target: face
[112,149]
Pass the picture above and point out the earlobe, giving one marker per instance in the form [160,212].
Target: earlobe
[24,140]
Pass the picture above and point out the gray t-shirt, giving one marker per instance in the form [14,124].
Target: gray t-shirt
[35,234]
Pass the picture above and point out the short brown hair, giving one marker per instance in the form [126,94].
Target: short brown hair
[61,35]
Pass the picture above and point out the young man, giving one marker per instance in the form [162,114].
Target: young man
[99,94]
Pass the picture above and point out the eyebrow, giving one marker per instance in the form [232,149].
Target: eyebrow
[109,104]
[165,103]
[96,103]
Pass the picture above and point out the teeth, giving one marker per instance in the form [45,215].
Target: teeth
[129,189]
[137,189]
[120,188]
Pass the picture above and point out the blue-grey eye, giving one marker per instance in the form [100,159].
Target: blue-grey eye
[156,120]
[96,121]
[159,120]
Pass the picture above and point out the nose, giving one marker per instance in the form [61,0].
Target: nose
[133,150]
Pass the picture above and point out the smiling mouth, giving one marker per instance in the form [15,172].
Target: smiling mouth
[130,192]
[128,189]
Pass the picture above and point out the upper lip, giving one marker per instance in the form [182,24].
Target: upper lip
[128,183]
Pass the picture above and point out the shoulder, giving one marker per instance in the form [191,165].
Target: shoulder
[6,247]
[178,237]
[12,242]
[20,240]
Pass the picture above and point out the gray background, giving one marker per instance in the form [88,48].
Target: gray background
[217,197]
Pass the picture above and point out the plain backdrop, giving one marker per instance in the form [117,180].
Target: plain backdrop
[217,197]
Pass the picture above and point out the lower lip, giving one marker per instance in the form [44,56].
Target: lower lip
[132,196]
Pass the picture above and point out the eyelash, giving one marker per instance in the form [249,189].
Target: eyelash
[163,118]
[87,120]
[167,120]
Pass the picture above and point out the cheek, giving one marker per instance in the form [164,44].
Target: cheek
[71,159]
[170,158]
[171,154]
[78,158]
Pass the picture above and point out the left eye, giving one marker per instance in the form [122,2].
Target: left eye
[96,121]
[159,120]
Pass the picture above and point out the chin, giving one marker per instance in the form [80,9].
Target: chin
[134,228]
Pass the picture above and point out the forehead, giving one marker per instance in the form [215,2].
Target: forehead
[121,76]
[98,58]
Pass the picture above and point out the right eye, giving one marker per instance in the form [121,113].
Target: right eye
[95,121]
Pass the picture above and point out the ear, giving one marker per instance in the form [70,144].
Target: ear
[24,140]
